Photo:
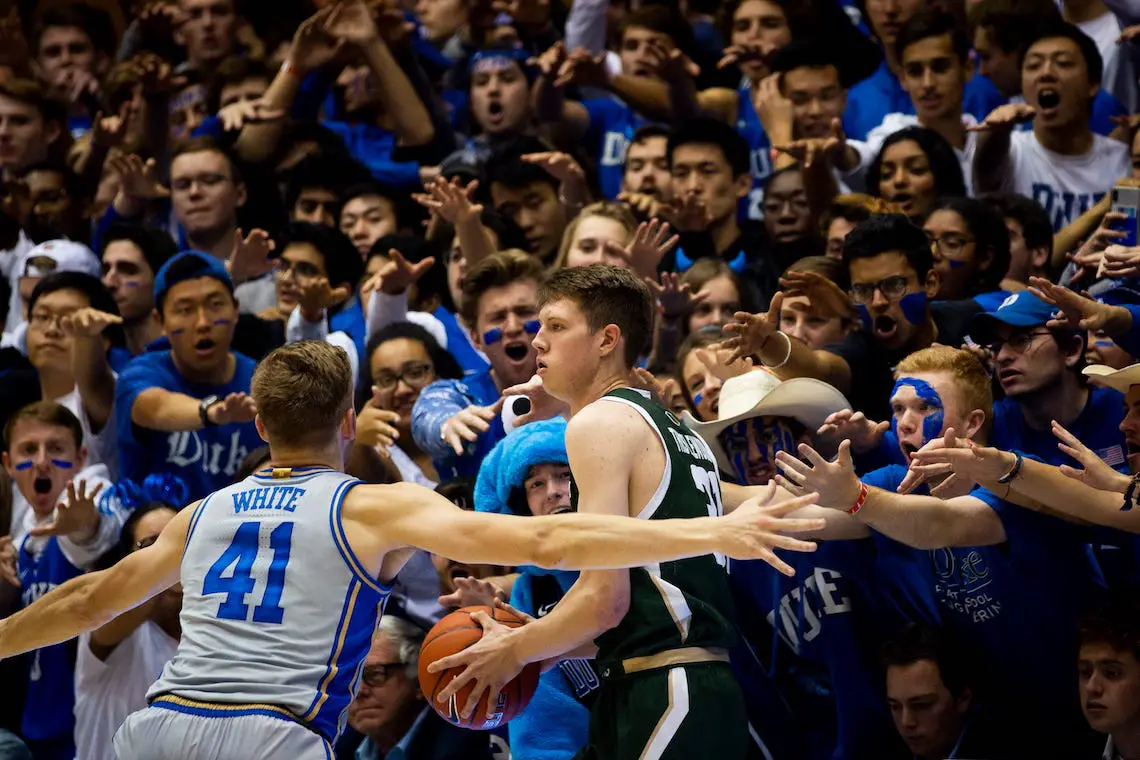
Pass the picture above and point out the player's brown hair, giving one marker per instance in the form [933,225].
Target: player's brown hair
[496,271]
[607,295]
[45,413]
[302,392]
[970,378]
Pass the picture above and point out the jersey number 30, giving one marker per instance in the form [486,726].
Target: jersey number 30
[241,554]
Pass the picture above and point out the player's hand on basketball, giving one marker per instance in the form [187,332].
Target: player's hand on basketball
[9,554]
[472,592]
[88,322]
[76,517]
[835,483]
[863,433]
[502,604]
[236,407]
[1096,472]
[490,662]
[466,426]
[543,406]
[758,526]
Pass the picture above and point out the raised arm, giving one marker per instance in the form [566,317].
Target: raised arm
[992,165]
[169,411]
[92,600]
[89,363]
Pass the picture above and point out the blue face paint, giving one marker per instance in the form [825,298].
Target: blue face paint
[62,464]
[179,331]
[22,466]
[865,317]
[913,307]
[932,422]
[698,397]
[495,334]
[1104,344]
[752,443]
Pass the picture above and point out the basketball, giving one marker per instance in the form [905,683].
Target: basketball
[455,633]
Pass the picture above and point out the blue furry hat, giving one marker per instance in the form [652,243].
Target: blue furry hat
[501,476]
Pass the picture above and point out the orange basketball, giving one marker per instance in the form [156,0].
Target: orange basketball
[455,633]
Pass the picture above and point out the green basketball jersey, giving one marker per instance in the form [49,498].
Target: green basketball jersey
[685,603]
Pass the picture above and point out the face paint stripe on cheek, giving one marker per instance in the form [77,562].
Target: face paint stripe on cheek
[62,464]
[913,307]
[22,466]
[932,422]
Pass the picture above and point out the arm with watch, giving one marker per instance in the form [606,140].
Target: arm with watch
[168,411]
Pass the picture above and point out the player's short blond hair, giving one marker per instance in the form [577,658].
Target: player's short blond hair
[970,378]
[302,392]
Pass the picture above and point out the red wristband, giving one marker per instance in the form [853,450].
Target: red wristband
[863,490]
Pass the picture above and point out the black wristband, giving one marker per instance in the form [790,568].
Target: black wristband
[1130,493]
[204,410]
[1013,471]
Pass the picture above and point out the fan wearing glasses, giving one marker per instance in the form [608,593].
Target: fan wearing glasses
[390,713]
[1039,368]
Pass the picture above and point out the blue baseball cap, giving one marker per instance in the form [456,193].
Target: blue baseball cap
[1022,309]
[189,265]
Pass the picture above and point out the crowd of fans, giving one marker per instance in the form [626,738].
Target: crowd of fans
[894,264]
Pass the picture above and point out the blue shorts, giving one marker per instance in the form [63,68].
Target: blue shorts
[169,731]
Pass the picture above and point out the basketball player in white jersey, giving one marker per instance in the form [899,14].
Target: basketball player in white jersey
[284,576]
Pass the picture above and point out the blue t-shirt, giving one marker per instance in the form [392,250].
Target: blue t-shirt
[1097,426]
[612,124]
[373,147]
[820,633]
[759,146]
[459,344]
[1015,605]
[871,100]
[50,703]
[205,459]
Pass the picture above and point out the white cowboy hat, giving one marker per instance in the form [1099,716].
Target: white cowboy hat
[1117,379]
[761,394]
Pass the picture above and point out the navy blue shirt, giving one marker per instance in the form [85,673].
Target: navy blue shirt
[1097,426]
[205,459]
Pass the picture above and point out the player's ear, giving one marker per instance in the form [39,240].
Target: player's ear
[348,425]
[610,339]
[260,428]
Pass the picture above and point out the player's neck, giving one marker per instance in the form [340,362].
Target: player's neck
[329,456]
[606,380]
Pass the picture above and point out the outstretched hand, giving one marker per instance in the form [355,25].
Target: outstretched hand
[759,526]
[835,483]
[1095,473]
[76,516]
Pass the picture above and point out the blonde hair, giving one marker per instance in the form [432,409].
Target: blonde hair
[970,378]
[618,212]
[302,392]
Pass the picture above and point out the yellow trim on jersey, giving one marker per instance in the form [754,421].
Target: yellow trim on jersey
[332,671]
[226,707]
[673,657]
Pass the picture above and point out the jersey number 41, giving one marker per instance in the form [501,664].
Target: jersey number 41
[241,555]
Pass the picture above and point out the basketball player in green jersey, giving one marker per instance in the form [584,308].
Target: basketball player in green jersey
[659,633]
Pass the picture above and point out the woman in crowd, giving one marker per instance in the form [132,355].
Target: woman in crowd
[914,167]
[970,244]
[585,240]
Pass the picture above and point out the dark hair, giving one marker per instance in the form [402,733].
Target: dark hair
[30,91]
[71,181]
[330,174]
[252,462]
[506,167]
[1115,623]
[127,534]
[189,268]
[459,491]
[926,24]
[710,131]
[940,154]
[649,131]
[97,295]
[156,245]
[884,233]
[663,19]
[372,187]
[446,366]
[342,261]
[207,144]
[47,413]
[1036,227]
[93,22]
[987,226]
[917,642]
[805,53]
[1056,28]
[607,295]
[1010,24]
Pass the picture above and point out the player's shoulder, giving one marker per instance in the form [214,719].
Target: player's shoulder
[610,420]
[370,502]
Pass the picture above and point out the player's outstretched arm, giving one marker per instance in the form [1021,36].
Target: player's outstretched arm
[89,601]
[410,515]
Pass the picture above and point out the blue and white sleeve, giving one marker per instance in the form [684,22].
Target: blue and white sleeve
[437,403]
